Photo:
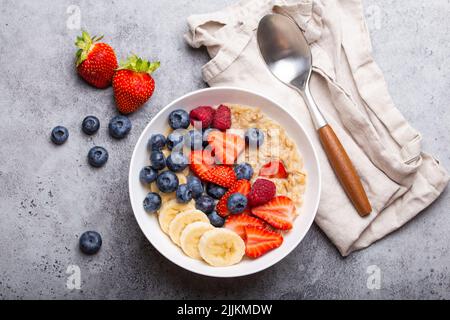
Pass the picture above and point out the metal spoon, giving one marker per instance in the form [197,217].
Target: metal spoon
[288,56]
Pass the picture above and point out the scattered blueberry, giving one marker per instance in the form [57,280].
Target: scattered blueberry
[216,220]
[90,125]
[119,127]
[243,171]
[215,191]
[195,185]
[97,156]
[254,137]
[156,142]
[174,139]
[205,203]
[59,135]
[237,203]
[195,140]
[179,119]
[152,202]
[90,242]
[167,181]
[157,160]
[184,193]
[147,175]
[176,162]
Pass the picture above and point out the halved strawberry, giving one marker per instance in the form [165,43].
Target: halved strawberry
[260,240]
[200,163]
[238,222]
[223,176]
[273,169]
[241,186]
[227,146]
[278,212]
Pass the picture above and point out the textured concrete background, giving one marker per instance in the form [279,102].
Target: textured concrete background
[49,195]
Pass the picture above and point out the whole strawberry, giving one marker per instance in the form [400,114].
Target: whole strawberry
[96,61]
[133,84]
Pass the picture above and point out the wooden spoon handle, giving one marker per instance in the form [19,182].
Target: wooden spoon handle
[345,171]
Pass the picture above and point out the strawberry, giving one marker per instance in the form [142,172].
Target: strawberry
[260,240]
[278,212]
[200,163]
[223,176]
[241,186]
[96,61]
[203,114]
[132,83]
[226,146]
[273,169]
[263,191]
[222,118]
[238,222]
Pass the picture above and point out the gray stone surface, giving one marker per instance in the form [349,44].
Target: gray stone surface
[49,195]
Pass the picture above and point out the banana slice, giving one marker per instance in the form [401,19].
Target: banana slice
[221,247]
[170,210]
[180,222]
[191,236]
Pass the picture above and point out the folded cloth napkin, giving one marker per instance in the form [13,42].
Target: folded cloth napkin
[347,84]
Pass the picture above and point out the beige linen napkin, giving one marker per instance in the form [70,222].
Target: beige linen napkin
[399,178]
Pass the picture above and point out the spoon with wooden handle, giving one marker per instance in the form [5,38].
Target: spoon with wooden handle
[288,56]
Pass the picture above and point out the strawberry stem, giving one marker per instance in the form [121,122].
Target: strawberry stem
[135,63]
[84,43]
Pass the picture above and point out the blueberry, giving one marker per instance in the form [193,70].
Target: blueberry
[179,119]
[152,202]
[147,175]
[205,203]
[184,193]
[195,185]
[157,160]
[254,137]
[237,203]
[167,182]
[176,162]
[195,140]
[216,220]
[119,127]
[90,125]
[156,142]
[215,191]
[97,156]
[175,139]
[90,242]
[243,171]
[59,135]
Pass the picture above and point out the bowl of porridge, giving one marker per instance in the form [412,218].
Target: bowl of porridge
[224,182]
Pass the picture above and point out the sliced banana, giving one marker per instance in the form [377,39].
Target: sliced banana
[191,236]
[170,210]
[180,222]
[221,247]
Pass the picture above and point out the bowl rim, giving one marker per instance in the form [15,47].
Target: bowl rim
[317,196]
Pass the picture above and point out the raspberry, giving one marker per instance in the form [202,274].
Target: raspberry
[203,114]
[263,191]
[222,118]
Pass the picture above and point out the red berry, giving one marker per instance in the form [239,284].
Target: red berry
[222,118]
[204,114]
[226,146]
[263,191]
[260,240]
[273,169]
[278,212]
[96,61]
[238,222]
[241,186]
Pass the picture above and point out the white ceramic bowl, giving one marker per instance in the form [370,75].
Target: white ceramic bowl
[215,96]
